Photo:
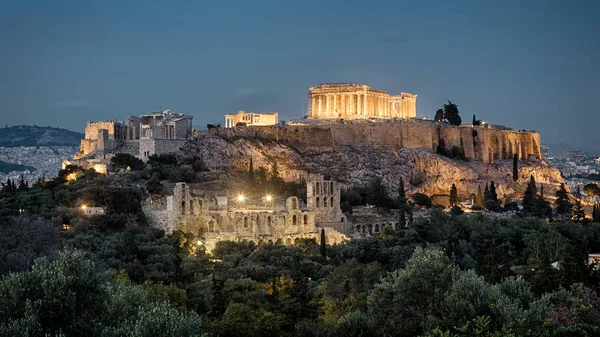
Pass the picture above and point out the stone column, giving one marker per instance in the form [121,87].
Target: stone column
[327,106]
[335,107]
[320,106]
[313,106]
[364,107]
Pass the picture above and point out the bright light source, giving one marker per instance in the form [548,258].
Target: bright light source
[199,242]
[240,198]
[269,198]
[83,206]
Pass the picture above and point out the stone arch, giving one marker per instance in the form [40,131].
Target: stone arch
[294,222]
[258,220]
[318,202]
[370,229]
[318,188]
[376,228]
[331,187]
[270,242]
[183,207]
[245,221]
[269,221]
[288,242]
[305,219]
[331,202]
[191,208]
[200,206]
[325,202]
[364,229]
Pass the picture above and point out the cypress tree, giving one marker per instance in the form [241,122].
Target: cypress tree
[515,167]
[402,219]
[530,195]
[479,198]
[453,195]
[410,215]
[251,172]
[486,193]
[542,191]
[401,193]
[493,194]
[323,244]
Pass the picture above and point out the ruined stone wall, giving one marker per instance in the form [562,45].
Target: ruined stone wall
[479,143]
[92,128]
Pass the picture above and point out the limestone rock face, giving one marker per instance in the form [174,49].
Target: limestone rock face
[422,170]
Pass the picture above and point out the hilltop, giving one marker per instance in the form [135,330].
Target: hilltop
[422,170]
[33,135]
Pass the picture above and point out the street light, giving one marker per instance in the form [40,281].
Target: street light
[269,199]
[240,199]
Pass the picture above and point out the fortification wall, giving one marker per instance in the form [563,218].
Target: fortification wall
[479,143]
[92,128]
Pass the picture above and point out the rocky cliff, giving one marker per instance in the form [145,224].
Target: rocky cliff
[422,170]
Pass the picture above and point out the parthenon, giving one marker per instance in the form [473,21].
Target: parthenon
[355,101]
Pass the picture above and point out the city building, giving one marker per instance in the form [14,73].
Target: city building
[355,101]
[575,155]
[545,151]
[242,118]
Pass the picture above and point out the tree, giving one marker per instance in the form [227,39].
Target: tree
[154,186]
[577,213]
[453,195]
[451,114]
[401,192]
[251,172]
[486,193]
[591,190]
[596,213]
[421,199]
[530,195]
[476,122]
[515,167]
[123,161]
[377,194]
[563,204]
[439,115]
[493,194]
[323,244]
[479,198]
[402,218]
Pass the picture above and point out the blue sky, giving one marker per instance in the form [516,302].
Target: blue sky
[526,64]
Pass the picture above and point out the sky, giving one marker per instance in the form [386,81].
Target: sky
[531,64]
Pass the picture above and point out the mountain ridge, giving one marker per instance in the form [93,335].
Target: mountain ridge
[34,135]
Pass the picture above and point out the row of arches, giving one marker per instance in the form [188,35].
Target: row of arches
[322,188]
[324,202]
[375,228]
[295,220]
[190,210]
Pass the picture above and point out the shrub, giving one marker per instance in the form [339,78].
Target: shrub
[421,199]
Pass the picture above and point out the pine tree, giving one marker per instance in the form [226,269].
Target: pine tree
[479,199]
[515,167]
[563,204]
[439,115]
[323,244]
[401,192]
[577,213]
[453,195]
[493,194]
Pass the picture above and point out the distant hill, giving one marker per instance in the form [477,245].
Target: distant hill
[33,135]
[558,149]
[10,167]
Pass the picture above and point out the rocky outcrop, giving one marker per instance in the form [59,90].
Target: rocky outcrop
[422,170]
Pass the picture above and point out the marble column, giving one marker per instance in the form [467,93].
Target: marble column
[335,107]
[320,106]
[313,106]
[364,104]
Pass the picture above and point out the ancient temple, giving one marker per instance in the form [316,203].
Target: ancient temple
[355,101]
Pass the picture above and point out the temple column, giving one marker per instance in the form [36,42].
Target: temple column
[320,106]
[313,106]
[364,104]
[328,105]
[343,106]
[335,108]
